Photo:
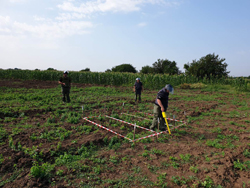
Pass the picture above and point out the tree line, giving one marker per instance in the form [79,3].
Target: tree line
[208,66]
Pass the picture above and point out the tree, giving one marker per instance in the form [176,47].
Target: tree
[51,69]
[209,65]
[147,69]
[85,70]
[124,68]
[166,67]
[108,70]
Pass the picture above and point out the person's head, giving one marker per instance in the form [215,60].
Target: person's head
[65,73]
[137,79]
[169,89]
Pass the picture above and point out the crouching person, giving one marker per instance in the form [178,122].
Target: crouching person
[161,105]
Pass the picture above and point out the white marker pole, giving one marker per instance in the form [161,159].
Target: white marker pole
[174,121]
[134,132]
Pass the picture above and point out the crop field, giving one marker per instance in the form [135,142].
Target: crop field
[47,143]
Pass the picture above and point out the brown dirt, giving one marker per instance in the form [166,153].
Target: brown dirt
[220,169]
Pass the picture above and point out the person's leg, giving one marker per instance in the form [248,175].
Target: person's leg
[139,93]
[63,93]
[155,119]
[68,99]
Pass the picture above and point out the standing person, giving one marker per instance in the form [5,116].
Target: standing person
[161,105]
[65,82]
[138,88]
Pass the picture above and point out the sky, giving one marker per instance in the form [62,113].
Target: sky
[100,34]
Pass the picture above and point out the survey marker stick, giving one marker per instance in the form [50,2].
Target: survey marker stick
[134,133]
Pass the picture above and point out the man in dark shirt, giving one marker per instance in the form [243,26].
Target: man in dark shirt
[65,82]
[161,105]
[138,88]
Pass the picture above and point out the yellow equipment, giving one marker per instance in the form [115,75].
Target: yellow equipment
[165,117]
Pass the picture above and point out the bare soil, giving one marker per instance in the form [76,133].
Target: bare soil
[219,168]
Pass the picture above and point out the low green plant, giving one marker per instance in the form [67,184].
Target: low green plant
[194,169]
[186,157]
[41,171]
[3,134]
[114,159]
[207,183]
[114,143]
[1,158]
[59,172]
[246,153]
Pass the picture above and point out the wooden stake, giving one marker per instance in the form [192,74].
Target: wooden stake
[174,121]
[158,128]
[82,109]
[134,132]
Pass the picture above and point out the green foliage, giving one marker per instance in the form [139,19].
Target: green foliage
[207,183]
[41,171]
[59,133]
[3,134]
[197,86]
[114,143]
[73,117]
[124,68]
[1,158]
[114,159]
[215,143]
[85,70]
[11,143]
[246,153]
[179,180]
[165,67]
[150,81]
[206,67]
[242,165]
[186,157]
[147,69]
[194,169]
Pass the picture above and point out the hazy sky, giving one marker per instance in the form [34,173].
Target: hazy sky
[100,34]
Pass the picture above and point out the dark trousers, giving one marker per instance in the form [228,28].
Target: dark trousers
[138,95]
[65,92]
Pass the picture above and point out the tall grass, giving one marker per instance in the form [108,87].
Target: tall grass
[151,81]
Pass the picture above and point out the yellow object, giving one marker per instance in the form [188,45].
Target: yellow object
[165,117]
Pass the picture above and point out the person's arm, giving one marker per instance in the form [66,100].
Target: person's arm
[160,104]
[60,82]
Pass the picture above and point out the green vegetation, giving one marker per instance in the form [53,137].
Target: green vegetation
[150,81]
[44,141]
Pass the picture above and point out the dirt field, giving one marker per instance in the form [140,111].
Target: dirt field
[211,150]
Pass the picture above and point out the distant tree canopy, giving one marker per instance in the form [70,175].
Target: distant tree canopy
[162,66]
[124,68]
[108,70]
[51,69]
[147,69]
[85,70]
[210,65]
